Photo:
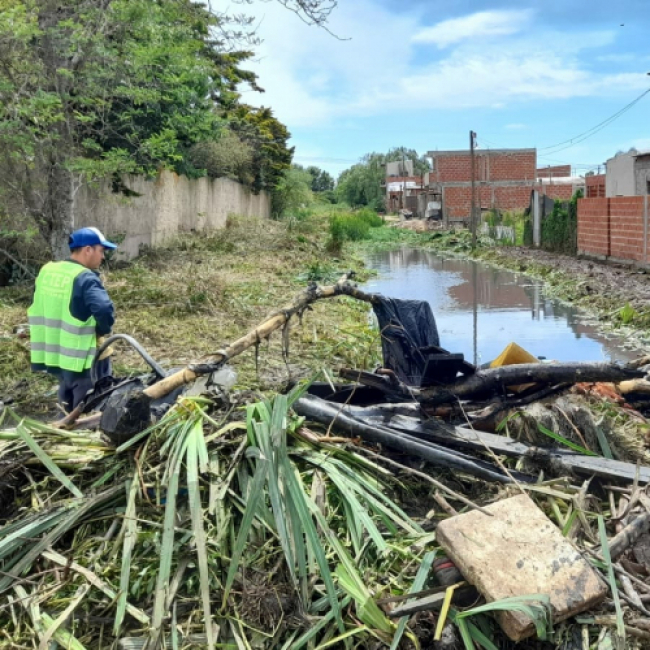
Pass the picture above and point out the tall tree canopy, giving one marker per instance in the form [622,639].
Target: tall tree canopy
[361,184]
[96,88]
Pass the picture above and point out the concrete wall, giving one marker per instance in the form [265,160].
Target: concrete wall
[619,180]
[615,228]
[642,175]
[168,205]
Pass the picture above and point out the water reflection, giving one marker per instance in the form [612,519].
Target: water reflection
[480,309]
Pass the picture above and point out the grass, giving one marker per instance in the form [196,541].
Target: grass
[198,293]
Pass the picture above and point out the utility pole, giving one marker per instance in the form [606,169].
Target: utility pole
[472,140]
[403,182]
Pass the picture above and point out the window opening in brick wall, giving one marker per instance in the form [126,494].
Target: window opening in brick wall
[647,187]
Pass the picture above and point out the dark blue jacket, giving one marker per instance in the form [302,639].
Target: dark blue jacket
[89,298]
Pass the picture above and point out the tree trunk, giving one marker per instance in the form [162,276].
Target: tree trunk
[58,205]
[59,209]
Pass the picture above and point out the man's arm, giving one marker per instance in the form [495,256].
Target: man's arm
[89,298]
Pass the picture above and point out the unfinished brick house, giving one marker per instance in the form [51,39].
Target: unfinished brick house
[595,186]
[554,171]
[504,180]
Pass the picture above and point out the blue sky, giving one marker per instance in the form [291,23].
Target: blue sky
[423,73]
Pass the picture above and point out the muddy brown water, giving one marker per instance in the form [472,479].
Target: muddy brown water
[479,309]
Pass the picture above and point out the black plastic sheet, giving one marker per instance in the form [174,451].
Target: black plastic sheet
[406,326]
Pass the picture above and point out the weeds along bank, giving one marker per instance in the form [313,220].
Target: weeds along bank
[201,292]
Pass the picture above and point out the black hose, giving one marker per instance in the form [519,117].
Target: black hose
[319,410]
[135,345]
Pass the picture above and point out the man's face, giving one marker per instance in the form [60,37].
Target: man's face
[94,257]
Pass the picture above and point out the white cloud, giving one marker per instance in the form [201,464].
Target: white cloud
[315,80]
[515,126]
[478,25]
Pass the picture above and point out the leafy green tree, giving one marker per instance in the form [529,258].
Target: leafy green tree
[293,191]
[322,181]
[93,88]
[421,164]
[361,184]
[267,137]
[228,156]
[97,88]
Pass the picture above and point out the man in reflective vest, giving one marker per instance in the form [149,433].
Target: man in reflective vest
[71,309]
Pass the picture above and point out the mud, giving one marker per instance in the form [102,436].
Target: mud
[614,283]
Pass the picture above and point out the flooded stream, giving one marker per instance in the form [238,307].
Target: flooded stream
[479,309]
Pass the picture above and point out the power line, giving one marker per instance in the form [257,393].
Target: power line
[581,137]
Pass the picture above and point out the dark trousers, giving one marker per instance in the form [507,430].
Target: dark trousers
[74,386]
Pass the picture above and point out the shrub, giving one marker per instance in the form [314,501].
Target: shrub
[370,217]
[229,156]
[348,228]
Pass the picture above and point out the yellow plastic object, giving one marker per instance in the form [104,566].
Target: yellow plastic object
[512,355]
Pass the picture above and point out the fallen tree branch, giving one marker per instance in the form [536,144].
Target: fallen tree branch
[503,404]
[297,307]
[555,459]
[496,379]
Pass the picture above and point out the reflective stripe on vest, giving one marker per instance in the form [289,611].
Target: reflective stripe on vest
[58,339]
[78,330]
[57,349]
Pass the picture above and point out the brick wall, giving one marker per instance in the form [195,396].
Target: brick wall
[557,171]
[612,227]
[553,191]
[457,199]
[510,165]
[626,227]
[512,198]
[593,227]
[595,186]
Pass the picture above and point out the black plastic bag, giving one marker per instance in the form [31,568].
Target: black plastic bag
[406,326]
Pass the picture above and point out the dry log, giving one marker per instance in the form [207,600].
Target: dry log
[129,413]
[277,320]
[634,386]
[496,379]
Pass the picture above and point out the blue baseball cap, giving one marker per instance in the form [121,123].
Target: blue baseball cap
[89,237]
